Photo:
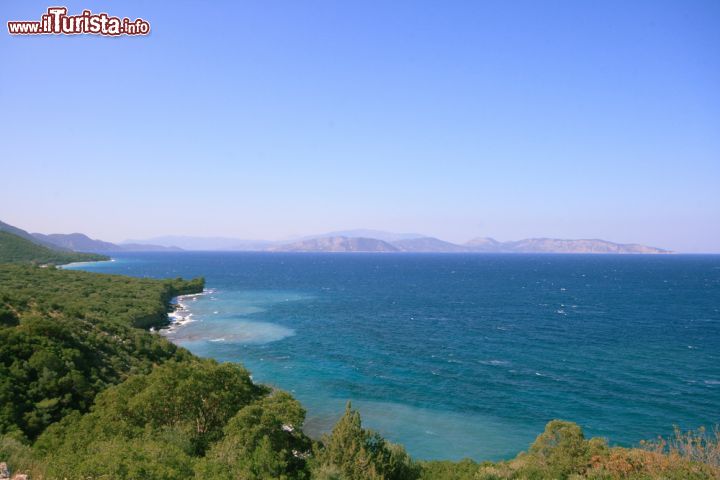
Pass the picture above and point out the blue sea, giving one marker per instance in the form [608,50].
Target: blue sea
[457,355]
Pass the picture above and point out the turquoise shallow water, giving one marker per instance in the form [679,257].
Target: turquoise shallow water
[464,355]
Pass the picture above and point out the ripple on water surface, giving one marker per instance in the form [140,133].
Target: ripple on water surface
[465,355]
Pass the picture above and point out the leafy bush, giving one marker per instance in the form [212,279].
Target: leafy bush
[639,464]
[182,406]
[447,470]
[264,440]
[694,445]
[358,454]
[71,335]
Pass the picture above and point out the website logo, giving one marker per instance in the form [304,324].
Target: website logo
[57,22]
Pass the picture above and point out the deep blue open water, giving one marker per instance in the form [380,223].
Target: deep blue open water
[460,355]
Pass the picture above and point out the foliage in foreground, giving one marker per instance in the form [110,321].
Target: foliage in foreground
[263,440]
[562,452]
[160,423]
[351,452]
[65,336]
[700,446]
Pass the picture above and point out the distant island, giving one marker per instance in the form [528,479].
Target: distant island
[336,244]
[479,245]
[555,245]
[364,240]
[340,241]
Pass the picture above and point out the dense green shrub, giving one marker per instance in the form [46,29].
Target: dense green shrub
[180,406]
[447,470]
[352,453]
[72,334]
[264,440]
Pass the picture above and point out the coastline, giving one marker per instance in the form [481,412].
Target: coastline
[83,264]
[181,314]
[279,363]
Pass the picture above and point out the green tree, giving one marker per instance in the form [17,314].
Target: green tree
[181,405]
[561,449]
[264,440]
[359,454]
[65,336]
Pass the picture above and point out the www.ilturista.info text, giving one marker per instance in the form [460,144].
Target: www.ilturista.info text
[57,21]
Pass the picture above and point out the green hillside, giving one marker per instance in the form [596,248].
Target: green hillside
[15,249]
[66,335]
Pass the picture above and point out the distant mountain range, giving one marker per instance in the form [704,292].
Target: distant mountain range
[555,245]
[204,243]
[17,249]
[379,241]
[78,242]
[337,244]
[17,245]
[5,227]
[366,233]
[428,244]
[341,241]
[478,245]
[239,244]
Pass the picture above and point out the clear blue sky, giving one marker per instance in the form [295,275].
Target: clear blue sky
[267,119]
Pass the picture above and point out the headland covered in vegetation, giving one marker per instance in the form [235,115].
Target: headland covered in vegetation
[88,391]
[15,249]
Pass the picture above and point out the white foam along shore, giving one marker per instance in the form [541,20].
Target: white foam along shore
[83,264]
[181,314]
